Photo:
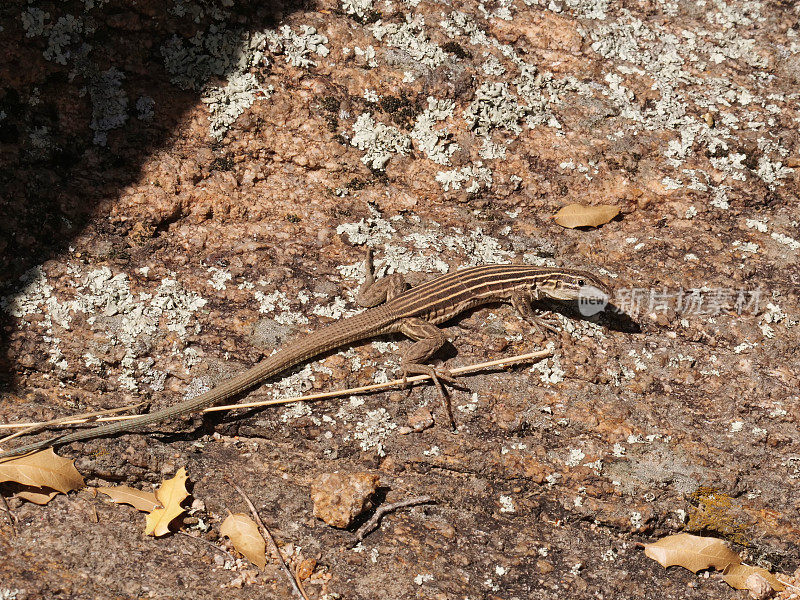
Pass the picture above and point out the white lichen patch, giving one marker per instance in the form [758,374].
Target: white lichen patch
[197,10]
[494,108]
[33,21]
[336,309]
[371,96]
[67,31]
[507,504]
[113,310]
[226,103]
[379,141]
[472,178]
[92,362]
[418,248]
[792,243]
[66,46]
[373,430]
[144,108]
[214,52]
[433,141]
[295,384]
[109,103]
[368,55]
[177,305]
[219,277]
[550,370]
[636,519]
[34,292]
[297,48]
[492,65]
[575,457]
[295,411]
[232,53]
[220,52]
[771,172]
[412,39]
[278,304]
[358,8]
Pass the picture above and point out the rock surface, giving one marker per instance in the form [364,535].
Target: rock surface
[188,184]
[339,499]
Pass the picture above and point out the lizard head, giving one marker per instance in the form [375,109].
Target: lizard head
[591,293]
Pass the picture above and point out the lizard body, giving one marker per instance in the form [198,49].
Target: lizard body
[414,312]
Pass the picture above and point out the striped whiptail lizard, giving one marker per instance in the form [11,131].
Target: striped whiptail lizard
[415,313]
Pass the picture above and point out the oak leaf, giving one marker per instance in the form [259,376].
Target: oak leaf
[581,215]
[44,469]
[170,494]
[745,577]
[40,495]
[138,499]
[246,538]
[692,552]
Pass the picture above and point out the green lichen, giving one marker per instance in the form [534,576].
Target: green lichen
[713,511]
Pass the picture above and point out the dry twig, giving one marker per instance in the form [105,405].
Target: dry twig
[68,420]
[367,527]
[502,362]
[10,515]
[295,583]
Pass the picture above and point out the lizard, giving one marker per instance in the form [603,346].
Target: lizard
[391,308]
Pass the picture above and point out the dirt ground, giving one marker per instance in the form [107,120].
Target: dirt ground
[188,185]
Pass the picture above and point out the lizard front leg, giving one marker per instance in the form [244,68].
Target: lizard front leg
[522,301]
[371,293]
[428,339]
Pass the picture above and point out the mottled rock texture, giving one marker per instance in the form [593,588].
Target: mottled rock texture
[340,498]
[185,185]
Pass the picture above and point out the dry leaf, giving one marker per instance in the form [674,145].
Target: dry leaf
[745,577]
[170,494]
[695,553]
[42,469]
[138,499]
[692,552]
[37,495]
[580,215]
[246,538]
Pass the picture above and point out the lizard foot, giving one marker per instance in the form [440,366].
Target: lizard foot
[437,375]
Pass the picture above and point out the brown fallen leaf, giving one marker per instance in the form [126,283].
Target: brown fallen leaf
[246,538]
[745,577]
[42,469]
[37,495]
[580,215]
[138,499]
[170,494]
[692,552]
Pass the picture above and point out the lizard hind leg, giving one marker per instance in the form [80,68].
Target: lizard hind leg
[371,293]
[428,339]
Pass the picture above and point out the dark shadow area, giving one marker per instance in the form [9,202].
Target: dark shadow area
[86,97]
[611,316]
